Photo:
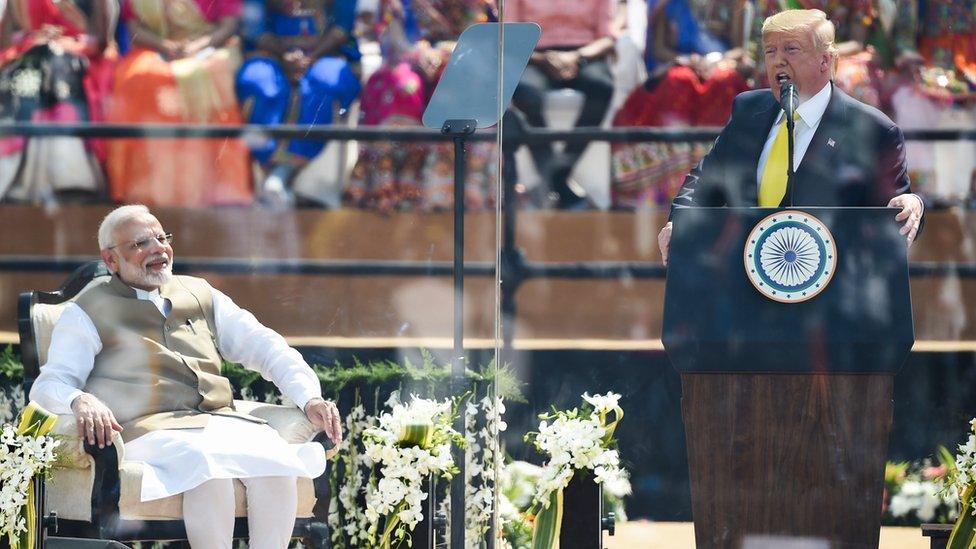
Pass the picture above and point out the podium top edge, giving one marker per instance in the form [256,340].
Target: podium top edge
[763,209]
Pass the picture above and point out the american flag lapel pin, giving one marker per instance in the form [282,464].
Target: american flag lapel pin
[831,142]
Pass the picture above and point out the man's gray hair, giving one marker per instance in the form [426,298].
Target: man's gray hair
[114,218]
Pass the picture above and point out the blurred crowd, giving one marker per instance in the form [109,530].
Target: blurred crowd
[610,63]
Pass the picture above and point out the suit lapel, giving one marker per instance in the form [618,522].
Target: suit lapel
[761,123]
[817,162]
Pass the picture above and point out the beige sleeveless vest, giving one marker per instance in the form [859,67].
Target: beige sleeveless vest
[155,372]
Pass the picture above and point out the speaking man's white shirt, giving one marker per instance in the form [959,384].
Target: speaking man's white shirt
[811,113]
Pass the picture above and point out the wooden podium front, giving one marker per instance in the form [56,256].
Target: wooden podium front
[797,455]
[787,406]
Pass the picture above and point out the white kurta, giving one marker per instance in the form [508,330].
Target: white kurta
[181,459]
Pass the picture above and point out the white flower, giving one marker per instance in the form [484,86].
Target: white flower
[21,458]
[405,469]
[602,403]
[576,443]
[27,83]
[900,505]
[62,90]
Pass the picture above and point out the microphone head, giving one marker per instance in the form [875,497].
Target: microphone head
[787,95]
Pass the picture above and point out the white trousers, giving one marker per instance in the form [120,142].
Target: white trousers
[272,505]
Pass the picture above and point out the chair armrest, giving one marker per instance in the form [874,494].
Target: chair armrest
[289,421]
[75,452]
[72,452]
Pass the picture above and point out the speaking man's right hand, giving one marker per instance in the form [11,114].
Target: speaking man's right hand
[96,423]
[664,242]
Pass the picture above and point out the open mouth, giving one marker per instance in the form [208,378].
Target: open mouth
[157,264]
[782,78]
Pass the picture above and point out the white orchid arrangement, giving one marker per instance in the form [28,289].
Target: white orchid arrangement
[580,439]
[352,474]
[962,475]
[960,478]
[914,492]
[407,445]
[25,452]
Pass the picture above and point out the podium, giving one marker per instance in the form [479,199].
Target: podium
[787,328]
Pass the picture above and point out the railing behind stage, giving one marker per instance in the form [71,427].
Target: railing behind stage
[515,268]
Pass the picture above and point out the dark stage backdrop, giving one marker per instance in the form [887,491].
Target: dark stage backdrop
[935,397]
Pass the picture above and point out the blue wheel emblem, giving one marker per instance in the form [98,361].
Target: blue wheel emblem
[790,256]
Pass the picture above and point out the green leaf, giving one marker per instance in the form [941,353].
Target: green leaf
[964,531]
[11,367]
[545,534]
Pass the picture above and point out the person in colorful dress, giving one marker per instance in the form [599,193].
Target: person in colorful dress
[56,62]
[416,37]
[697,66]
[303,46]
[939,92]
[180,70]
[947,35]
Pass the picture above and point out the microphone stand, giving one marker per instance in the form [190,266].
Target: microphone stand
[789,165]
[790,124]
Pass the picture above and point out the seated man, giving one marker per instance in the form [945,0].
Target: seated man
[140,353]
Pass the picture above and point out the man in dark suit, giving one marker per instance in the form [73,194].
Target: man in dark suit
[846,153]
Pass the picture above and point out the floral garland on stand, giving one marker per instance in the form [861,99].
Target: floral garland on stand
[25,452]
[12,401]
[480,466]
[408,444]
[347,518]
[575,440]
[479,473]
[352,474]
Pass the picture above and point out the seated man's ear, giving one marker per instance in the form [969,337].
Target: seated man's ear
[111,260]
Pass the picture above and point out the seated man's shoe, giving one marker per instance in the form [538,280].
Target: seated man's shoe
[570,195]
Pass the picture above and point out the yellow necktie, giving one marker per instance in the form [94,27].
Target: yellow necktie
[773,184]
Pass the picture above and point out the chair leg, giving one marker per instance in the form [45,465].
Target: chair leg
[318,536]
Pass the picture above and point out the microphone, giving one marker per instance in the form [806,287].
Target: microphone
[788,98]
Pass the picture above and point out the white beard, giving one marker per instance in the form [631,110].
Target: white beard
[142,276]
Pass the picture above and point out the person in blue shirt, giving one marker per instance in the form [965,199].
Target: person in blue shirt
[302,67]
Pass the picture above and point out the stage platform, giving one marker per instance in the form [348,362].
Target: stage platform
[642,534]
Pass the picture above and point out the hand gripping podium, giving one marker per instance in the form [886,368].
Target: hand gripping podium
[787,328]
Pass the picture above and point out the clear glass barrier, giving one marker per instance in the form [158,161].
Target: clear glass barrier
[638,92]
[283,145]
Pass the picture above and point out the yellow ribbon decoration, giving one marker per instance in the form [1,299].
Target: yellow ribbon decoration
[963,534]
[548,523]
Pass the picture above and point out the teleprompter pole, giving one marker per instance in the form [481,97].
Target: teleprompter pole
[459,130]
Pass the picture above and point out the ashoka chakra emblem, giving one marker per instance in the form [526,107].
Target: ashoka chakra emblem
[790,256]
